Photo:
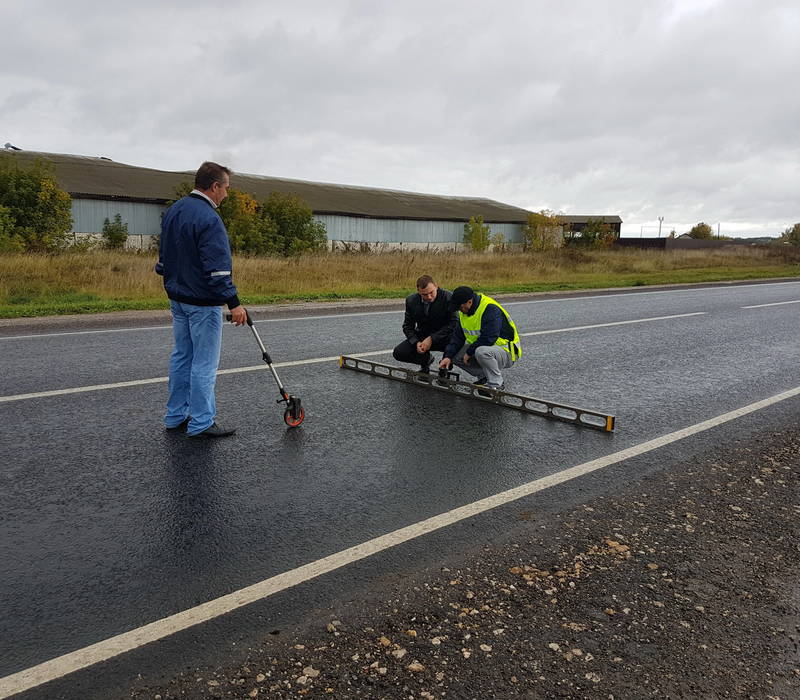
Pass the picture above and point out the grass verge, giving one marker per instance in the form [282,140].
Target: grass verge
[97,281]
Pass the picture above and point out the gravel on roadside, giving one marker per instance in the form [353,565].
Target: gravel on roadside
[683,585]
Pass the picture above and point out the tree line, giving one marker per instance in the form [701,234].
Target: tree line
[36,217]
[544,230]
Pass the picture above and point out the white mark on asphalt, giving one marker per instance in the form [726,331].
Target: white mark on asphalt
[775,303]
[133,639]
[295,363]
[169,327]
[163,380]
[657,291]
[614,323]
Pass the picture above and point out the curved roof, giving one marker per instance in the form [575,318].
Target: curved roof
[102,178]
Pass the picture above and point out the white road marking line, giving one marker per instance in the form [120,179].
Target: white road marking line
[655,291]
[615,323]
[107,330]
[133,639]
[776,303]
[169,327]
[375,313]
[163,380]
[295,363]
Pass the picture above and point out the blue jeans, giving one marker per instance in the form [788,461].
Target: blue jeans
[193,366]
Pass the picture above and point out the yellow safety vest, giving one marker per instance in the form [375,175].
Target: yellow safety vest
[471,325]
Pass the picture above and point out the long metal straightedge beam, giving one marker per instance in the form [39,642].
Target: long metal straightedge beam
[526,404]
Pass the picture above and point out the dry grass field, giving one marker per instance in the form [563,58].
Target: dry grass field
[35,285]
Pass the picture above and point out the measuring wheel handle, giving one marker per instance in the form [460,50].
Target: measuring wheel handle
[229,317]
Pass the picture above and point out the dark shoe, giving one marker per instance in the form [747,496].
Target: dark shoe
[480,381]
[181,426]
[214,431]
[426,363]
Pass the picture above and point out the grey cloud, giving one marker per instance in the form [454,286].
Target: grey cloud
[616,106]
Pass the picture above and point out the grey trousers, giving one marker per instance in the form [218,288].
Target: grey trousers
[490,360]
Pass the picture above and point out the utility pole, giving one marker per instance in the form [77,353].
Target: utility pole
[660,220]
[718,229]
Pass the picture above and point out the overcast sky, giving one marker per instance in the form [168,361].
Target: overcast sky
[686,109]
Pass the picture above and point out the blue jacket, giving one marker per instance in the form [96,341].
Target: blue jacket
[493,326]
[194,255]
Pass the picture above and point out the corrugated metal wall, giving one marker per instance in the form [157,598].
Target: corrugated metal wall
[145,219]
[350,228]
[88,216]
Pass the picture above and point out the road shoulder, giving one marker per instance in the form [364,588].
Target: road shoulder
[682,585]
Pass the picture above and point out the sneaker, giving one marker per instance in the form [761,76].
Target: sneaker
[480,381]
[181,426]
[214,431]
[489,394]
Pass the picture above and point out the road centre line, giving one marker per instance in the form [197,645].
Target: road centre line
[655,291]
[154,631]
[295,363]
[375,313]
[169,327]
[775,303]
[614,323]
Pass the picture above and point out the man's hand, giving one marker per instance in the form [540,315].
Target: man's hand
[466,358]
[238,315]
[445,363]
[424,345]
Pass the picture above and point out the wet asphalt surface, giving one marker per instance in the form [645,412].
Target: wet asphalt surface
[109,523]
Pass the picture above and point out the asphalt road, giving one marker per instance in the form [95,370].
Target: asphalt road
[108,523]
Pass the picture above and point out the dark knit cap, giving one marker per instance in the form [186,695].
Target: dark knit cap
[461,295]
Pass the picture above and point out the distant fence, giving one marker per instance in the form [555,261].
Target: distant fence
[676,243]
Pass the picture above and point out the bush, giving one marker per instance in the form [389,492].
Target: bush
[10,242]
[35,210]
[115,235]
[543,231]
[791,235]
[282,225]
[477,235]
[247,230]
[295,228]
[597,233]
[701,231]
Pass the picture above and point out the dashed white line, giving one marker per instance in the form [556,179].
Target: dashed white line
[169,327]
[613,323]
[295,363]
[775,303]
[133,639]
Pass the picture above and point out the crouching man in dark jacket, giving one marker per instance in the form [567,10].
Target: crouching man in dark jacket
[428,324]
[195,260]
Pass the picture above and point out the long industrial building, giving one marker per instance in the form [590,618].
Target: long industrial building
[101,188]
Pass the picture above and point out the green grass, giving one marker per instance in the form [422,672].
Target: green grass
[102,281]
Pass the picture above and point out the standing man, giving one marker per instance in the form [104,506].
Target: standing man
[195,260]
[486,340]
[428,324]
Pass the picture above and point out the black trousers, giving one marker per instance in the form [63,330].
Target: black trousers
[407,352]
